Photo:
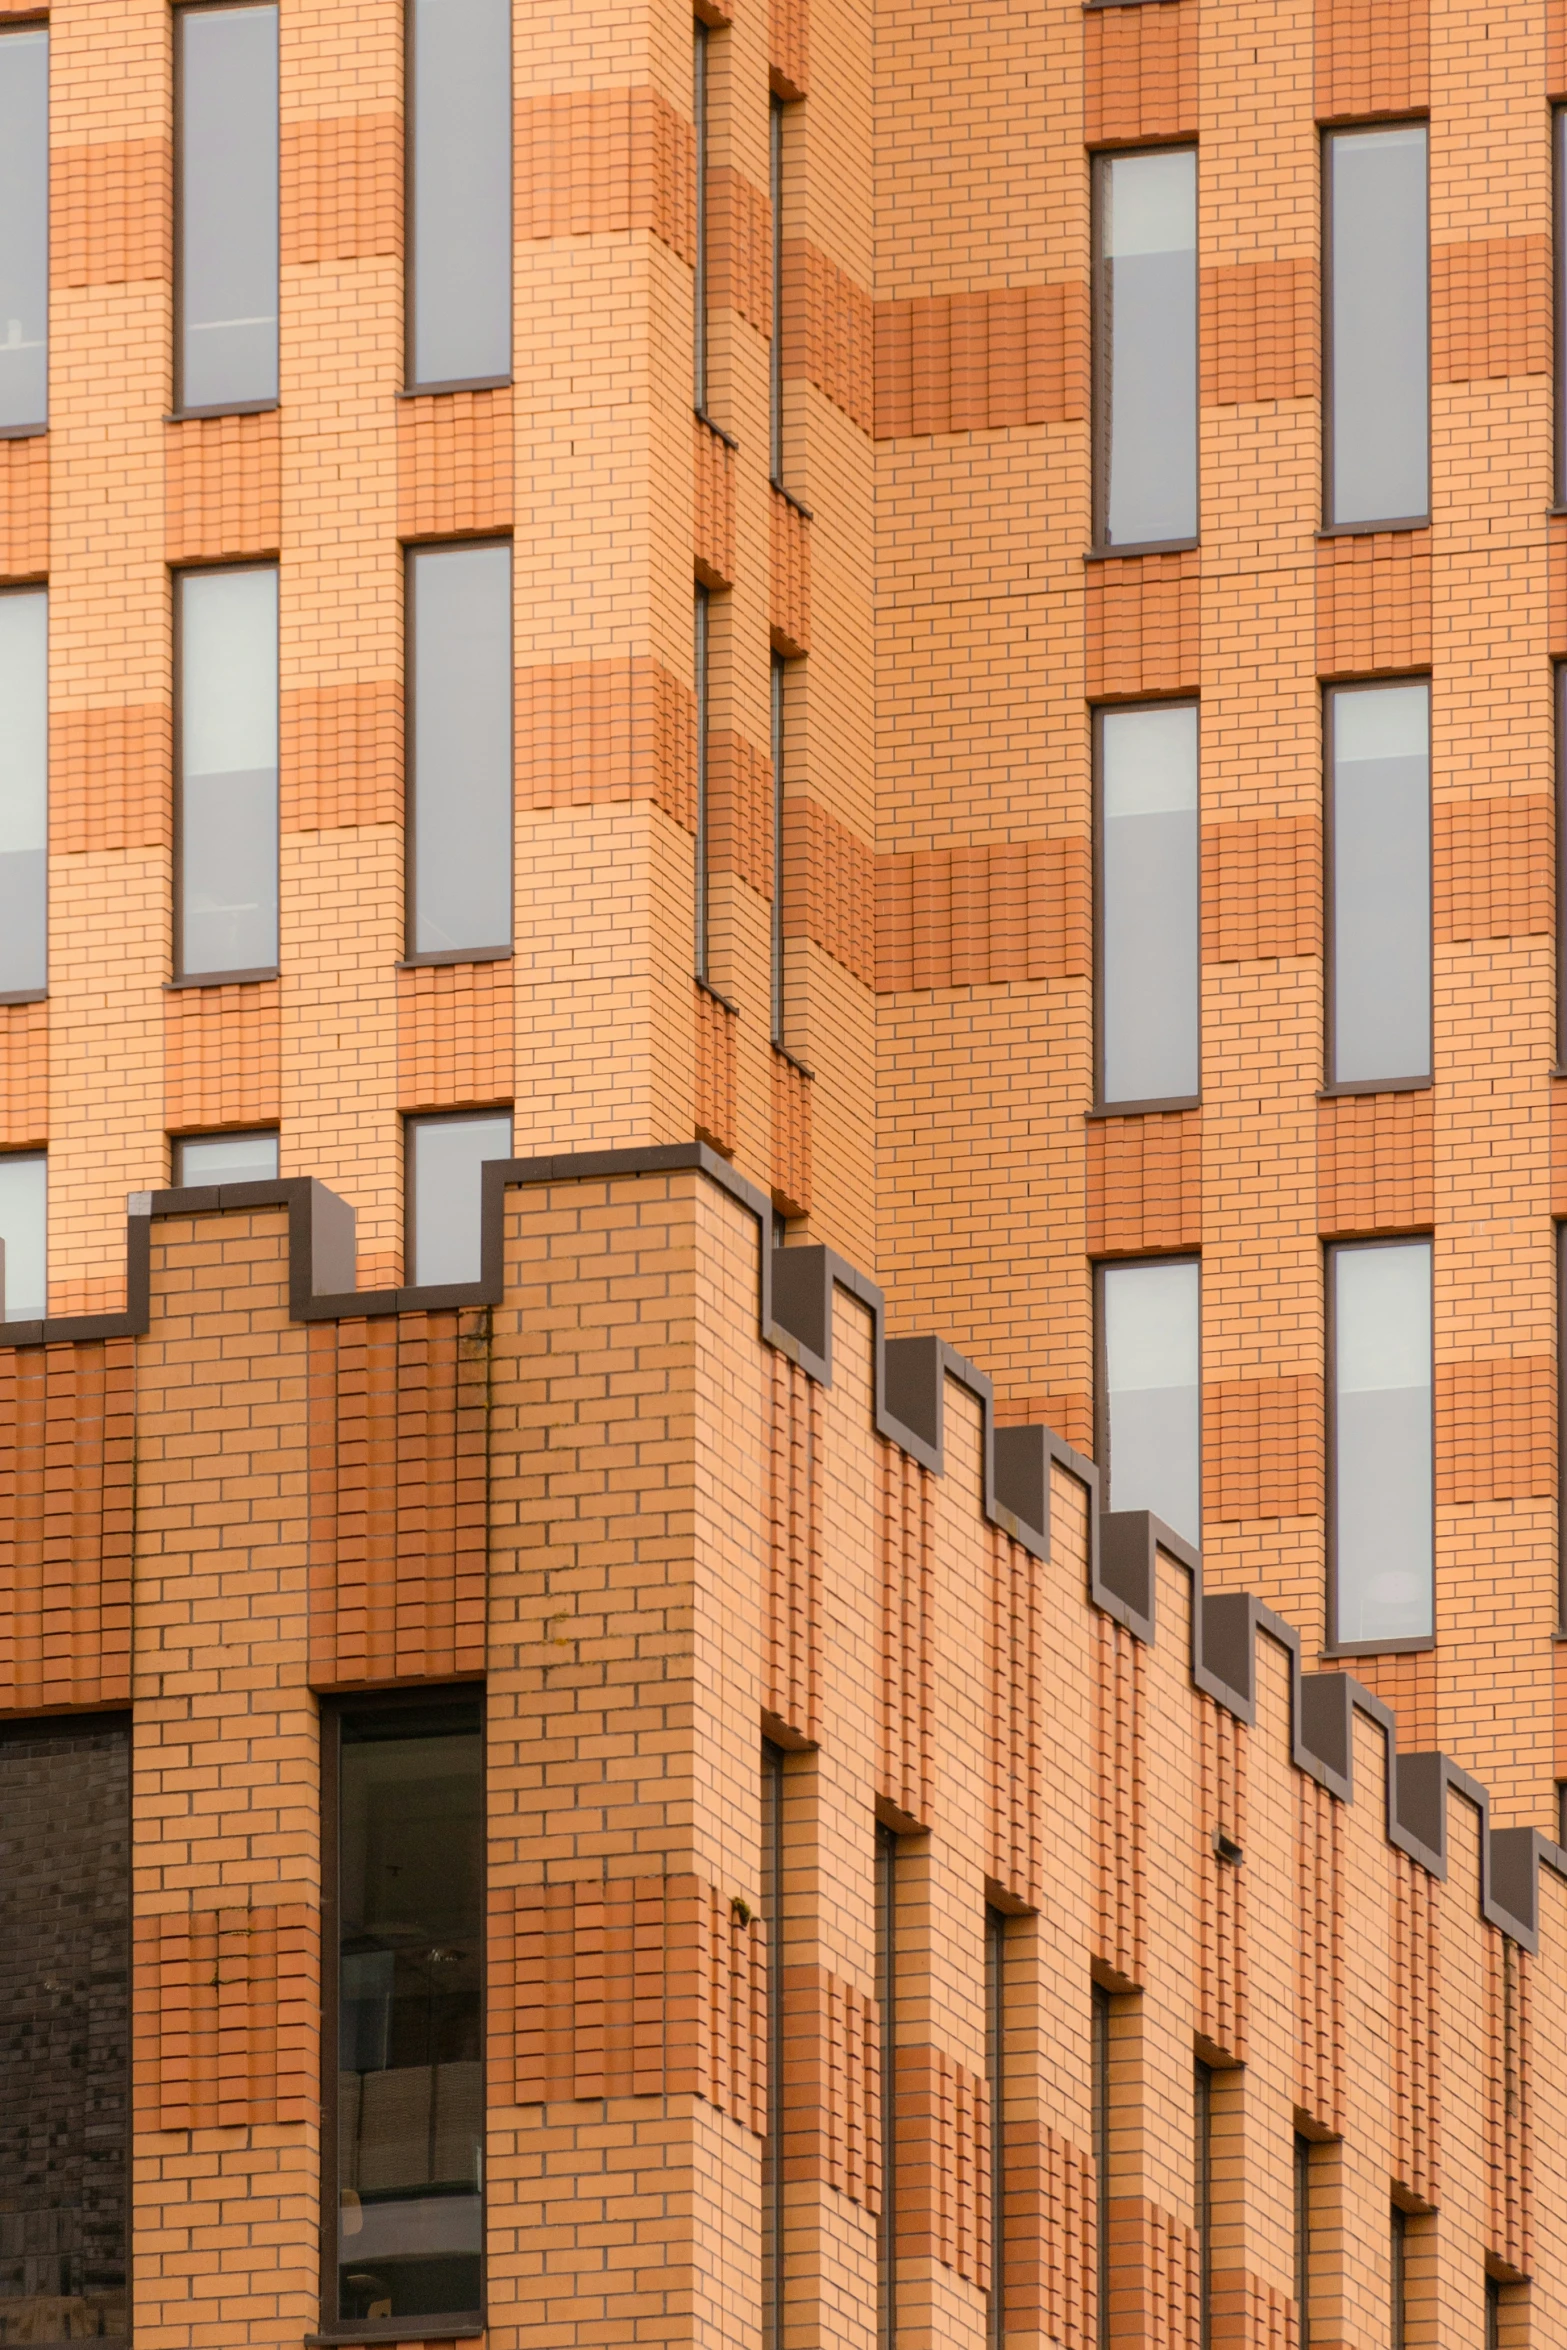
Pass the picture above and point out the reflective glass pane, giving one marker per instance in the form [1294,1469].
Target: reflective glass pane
[228,205]
[460,617]
[65,1903]
[24,789]
[1382,1508]
[24,1201]
[445,1159]
[460,85]
[410,2119]
[1148,346]
[1151,1340]
[1379,303]
[24,207]
[226,1158]
[228,813]
[1148,903]
[1381,979]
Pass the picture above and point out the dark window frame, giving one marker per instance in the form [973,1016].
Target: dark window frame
[1560,1237]
[701,68]
[1102,1266]
[1398,2292]
[413,387]
[36,587]
[179,412]
[775,184]
[1302,2242]
[702,655]
[997,1938]
[1202,2195]
[888,1854]
[179,977]
[1559,306]
[774,2274]
[65,1725]
[1328,133]
[1102,1107]
[38,23]
[413,1119]
[779,687]
[1100,548]
[1332,1646]
[1559,747]
[1334,1086]
[1101,2016]
[414,958]
[334,1709]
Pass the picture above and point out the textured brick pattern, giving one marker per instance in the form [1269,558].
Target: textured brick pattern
[110,779]
[1139,73]
[24,1075]
[1491,868]
[593,731]
[1120,1800]
[1319,1999]
[1141,620]
[222,1056]
[941,2118]
[716,1023]
[455,1025]
[740,811]
[1375,1164]
[1144,1179]
[908,1634]
[110,208]
[454,464]
[739,248]
[1259,322]
[1490,309]
[1495,1430]
[1261,888]
[1372,57]
[1510,2119]
[1417,1999]
[636,1987]
[222,487]
[1248,2313]
[831,2120]
[984,915]
[226,2014]
[1262,1451]
[789,578]
[341,185]
[24,508]
[789,46]
[1223,1943]
[713,486]
[1153,2277]
[828,331]
[1050,2232]
[398,1493]
[1017,1716]
[1408,1685]
[340,756]
[792,1650]
[1009,355]
[605,162]
[791,1136]
[829,887]
[1373,603]
[67,1489]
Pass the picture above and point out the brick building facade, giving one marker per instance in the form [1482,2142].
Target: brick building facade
[651,1645]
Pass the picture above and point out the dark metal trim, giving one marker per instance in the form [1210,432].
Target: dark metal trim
[458,383]
[23,432]
[1335,1092]
[257,978]
[1149,1109]
[1102,554]
[220,407]
[456,955]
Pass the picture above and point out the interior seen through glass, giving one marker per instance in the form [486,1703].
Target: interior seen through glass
[410,2118]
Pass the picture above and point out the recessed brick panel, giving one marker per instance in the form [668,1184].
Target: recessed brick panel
[1139,73]
[222,1056]
[1141,620]
[1373,603]
[1375,1163]
[980,362]
[1144,1182]
[1492,868]
[1261,888]
[454,464]
[1260,325]
[1372,57]
[596,162]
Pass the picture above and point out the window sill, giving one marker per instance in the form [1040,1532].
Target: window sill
[24,432]
[1144,546]
[224,408]
[25,995]
[1364,1085]
[456,955]
[1366,530]
[790,499]
[468,383]
[1338,1648]
[466,2328]
[727,438]
[224,978]
[1153,1109]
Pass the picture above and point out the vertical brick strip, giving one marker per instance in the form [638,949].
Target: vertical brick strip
[1017,1786]
[1050,2236]
[942,2120]
[1120,1801]
[714,1109]
[1416,2008]
[907,1727]
[794,1587]
[831,2098]
[1222,1953]
[67,1530]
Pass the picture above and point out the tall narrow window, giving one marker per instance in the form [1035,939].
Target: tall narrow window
[24,1226]
[887,1999]
[65,1984]
[1400,2285]
[772,2148]
[1099,2053]
[226,1158]
[699,291]
[702,624]
[24,251]
[227,205]
[446,1161]
[777,938]
[996,2075]
[405,2234]
[1150,1435]
[227,811]
[1559,157]
[1145,348]
[459,173]
[1379,847]
[460,740]
[1380,1337]
[1493,2314]
[1147,877]
[24,790]
[1202,2168]
[1377,289]
[775,178]
[1302,2242]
